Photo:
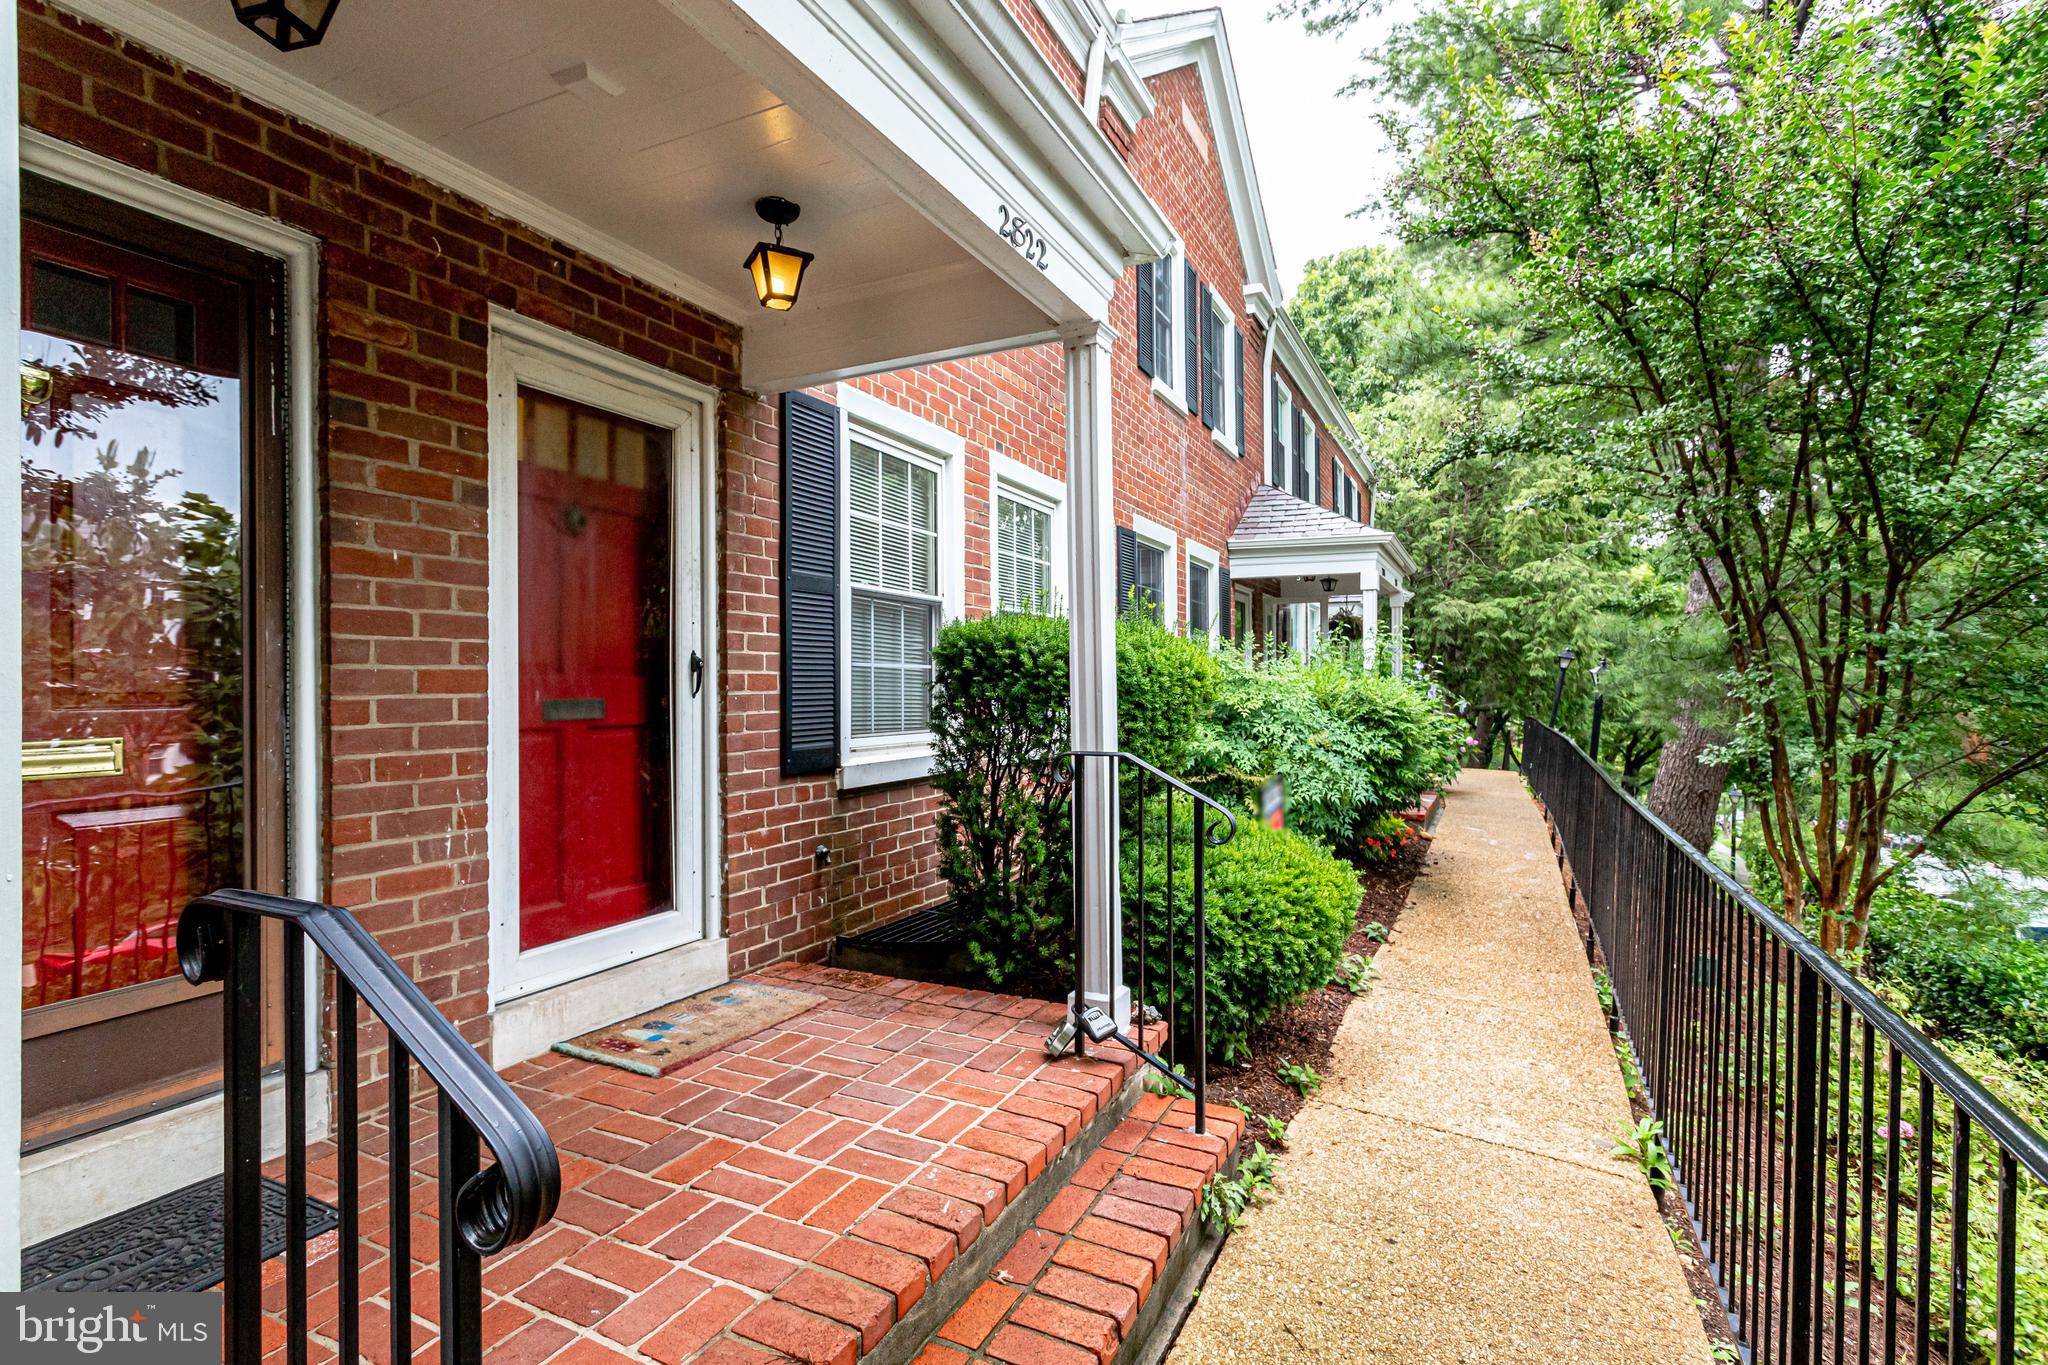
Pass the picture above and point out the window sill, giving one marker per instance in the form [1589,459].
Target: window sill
[881,767]
[1170,395]
[1224,443]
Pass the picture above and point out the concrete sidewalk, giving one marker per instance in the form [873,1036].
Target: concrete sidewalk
[1450,1196]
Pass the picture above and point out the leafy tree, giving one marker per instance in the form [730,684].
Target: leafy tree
[1793,264]
[1519,549]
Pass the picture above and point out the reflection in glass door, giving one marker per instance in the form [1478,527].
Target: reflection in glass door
[136,422]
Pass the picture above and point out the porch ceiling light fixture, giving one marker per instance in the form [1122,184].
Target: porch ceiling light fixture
[1329,584]
[287,25]
[778,270]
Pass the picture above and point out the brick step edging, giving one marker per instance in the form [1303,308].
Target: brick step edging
[1107,1263]
[907,1337]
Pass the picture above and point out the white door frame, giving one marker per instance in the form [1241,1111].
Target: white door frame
[526,352]
[67,1185]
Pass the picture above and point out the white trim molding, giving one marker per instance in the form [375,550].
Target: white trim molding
[1201,554]
[525,352]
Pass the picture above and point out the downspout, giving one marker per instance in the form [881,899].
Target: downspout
[1098,58]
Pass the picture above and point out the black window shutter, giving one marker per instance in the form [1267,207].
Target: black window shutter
[1209,349]
[1279,438]
[1300,454]
[1237,383]
[1126,568]
[1145,362]
[1226,605]
[1161,321]
[810,585]
[1192,347]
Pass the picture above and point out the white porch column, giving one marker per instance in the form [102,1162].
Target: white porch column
[10,676]
[1369,609]
[1091,660]
[1394,626]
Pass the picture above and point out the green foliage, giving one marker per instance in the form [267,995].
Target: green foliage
[1304,1079]
[1643,1143]
[1789,262]
[1356,974]
[999,711]
[1279,909]
[1520,549]
[1165,685]
[1276,1129]
[1376,932]
[1959,964]
[1351,746]
[1225,1198]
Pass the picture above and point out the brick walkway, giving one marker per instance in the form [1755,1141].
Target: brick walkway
[791,1196]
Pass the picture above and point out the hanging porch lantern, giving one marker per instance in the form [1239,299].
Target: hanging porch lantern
[778,270]
[287,25]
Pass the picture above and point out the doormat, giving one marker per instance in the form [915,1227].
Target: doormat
[664,1038]
[170,1245]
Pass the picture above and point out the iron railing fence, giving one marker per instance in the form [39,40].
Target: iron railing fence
[481,1210]
[1165,830]
[1858,1196]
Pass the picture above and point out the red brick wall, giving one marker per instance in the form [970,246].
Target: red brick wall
[408,272]
[882,851]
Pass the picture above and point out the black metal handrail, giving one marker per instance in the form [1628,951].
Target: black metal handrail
[1204,835]
[483,1210]
[1760,1054]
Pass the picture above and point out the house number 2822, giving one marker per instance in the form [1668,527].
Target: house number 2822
[1020,234]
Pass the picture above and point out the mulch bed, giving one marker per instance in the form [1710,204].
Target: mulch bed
[1305,1032]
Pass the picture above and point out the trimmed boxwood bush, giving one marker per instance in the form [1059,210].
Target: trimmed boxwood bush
[999,711]
[1279,908]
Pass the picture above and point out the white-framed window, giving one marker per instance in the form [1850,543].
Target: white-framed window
[1157,573]
[1027,538]
[902,516]
[1169,283]
[1280,430]
[1241,622]
[1204,604]
[1223,383]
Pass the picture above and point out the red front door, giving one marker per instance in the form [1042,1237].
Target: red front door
[595,651]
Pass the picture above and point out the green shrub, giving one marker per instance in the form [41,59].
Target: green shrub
[1350,746]
[1279,908]
[1959,964]
[1165,685]
[999,712]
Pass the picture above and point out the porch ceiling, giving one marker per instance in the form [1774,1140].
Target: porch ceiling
[643,130]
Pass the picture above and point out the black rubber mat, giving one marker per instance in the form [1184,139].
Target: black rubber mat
[168,1245]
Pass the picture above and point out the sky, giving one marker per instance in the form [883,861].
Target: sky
[1320,154]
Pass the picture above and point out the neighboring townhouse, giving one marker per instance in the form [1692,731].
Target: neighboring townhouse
[1243,498]
[502,571]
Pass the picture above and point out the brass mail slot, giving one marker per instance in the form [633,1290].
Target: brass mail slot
[573,708]
[44,760]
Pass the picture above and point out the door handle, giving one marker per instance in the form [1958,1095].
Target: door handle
[696,672]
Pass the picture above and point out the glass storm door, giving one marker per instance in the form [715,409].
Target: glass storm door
[596,824]
[140,385]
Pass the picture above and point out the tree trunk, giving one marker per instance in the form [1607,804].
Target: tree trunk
[1482,739]
[1686,794]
